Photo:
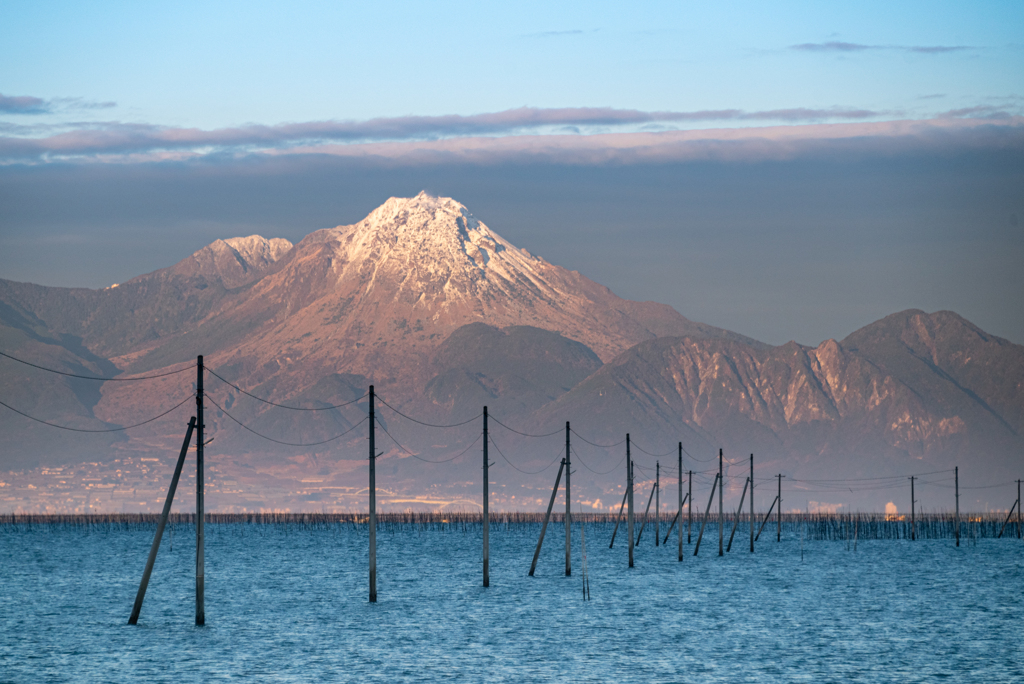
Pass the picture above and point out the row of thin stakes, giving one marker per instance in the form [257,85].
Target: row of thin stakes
[815,526]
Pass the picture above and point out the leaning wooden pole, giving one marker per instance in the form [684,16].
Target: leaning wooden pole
[1018,509]
[767,517]
[373,503]
[778,499]
[1006,522]
[646,514]
[671,525]
[629,490]
[913,527]
[487,519]
[721,507]
[679,512]
[657,502]
[689,508]
[568,504]
[200,503]
[739,512]
[618,518]
[956,524]
[137,608]
[704,520]
[751,503]
[547,517]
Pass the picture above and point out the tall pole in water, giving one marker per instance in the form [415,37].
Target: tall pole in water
[629,492]
[751,503]
[680,530]
[913,533]
[568,509]
[373,505]
[200,504]
[657,501]
[778,514]
[689,506]
[956,525]
[721,509]
[487,519]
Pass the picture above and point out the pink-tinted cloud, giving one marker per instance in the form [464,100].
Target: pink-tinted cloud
[517,133]
[128,138]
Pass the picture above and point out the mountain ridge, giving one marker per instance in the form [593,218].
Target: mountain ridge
[441,313]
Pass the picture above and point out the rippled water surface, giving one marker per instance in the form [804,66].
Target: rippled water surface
[289,603]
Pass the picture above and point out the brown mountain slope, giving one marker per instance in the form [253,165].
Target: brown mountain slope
[873,408]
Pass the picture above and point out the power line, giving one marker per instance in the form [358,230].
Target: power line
[65,427]
[640,448]
[871,479]
[595,444]
[524,434]
[416,456]
[92,377]
[290,408]
[596,472]
[277,441]
[525,472]
[427,424]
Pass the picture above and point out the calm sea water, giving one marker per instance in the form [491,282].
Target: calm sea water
[287,603]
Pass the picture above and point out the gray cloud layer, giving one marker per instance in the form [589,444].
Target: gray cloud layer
[26,104]
[841,46]
[130,138]
[622,135]
[22,104]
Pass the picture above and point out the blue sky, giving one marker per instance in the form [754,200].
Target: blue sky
[214,65]
[787,170]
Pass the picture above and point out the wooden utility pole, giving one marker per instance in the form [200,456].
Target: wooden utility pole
[778,527]
[679,513]
[487,519]
[913,532]
[547,517]
[689,507]
[629,502]
[721,509]
[568,508]
[657,501]
[751,503]
[200,503]
[956,475]
[1018,510]
[137,608]
[373,504]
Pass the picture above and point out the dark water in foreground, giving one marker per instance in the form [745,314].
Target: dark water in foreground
[288,603]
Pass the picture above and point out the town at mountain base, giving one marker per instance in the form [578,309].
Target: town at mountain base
[444,316]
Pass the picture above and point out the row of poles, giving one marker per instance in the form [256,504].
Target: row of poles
[196,425]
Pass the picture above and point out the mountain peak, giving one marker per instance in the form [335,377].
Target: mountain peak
[434,244]
[234,261]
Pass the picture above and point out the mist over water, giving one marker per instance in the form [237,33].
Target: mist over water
[289,603]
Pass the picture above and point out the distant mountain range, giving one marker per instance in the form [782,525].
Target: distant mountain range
[443,316]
